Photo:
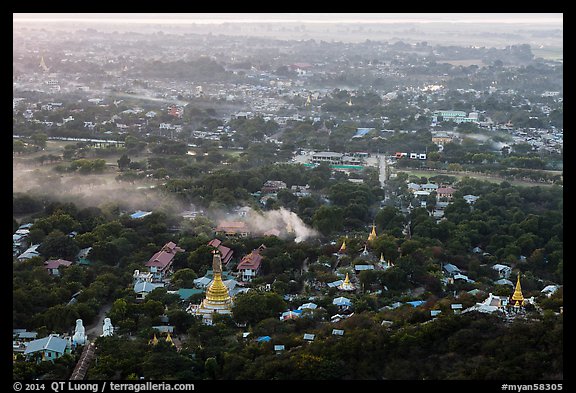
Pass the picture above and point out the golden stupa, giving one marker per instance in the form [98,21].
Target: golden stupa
[372,234]
[346,285]
[218,298]
[517,297]
[343,247]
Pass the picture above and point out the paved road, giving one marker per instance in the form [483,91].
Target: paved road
[95,330]
[382,167]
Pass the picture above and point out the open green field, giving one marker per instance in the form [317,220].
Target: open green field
[464,63]
[460,175]
[549,53]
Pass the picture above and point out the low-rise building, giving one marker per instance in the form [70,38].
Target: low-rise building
[503,270]
[47,348]
[53,266]
[160,264]
[232,229]
[225,252]
[249,266]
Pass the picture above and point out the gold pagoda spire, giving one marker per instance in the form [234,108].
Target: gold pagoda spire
[517,297]
[382,260]
[372,235]
[218,299]
[346,285]
[169,340]
[347,280]
[217,291]
[343,246]
[154,341]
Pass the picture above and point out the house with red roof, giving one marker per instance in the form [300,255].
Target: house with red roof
[225,252]
[53,266]
[249,266]
[232,229]
[445,192]
[161,262]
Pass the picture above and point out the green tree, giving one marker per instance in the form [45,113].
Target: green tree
[58,245]
[211,368]
[59,220]
[18,146]
[123,162]
[25,204]
[105,252]
[39,139]
[328,219]
[184,278]
[253,306]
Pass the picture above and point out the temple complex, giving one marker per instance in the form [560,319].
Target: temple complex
[217,299]
[385,264]
[346,285]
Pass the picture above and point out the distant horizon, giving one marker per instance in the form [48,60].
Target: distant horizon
[314,18]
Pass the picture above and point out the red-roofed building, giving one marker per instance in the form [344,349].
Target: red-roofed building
[53,266]
[161,262]
[176,111]
[232,229]
[249,266]
[225,252]
[445,192]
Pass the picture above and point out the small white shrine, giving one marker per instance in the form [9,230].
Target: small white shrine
[79,337]
[107,329]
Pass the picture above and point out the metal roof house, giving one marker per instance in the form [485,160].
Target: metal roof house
[49,348]
[451,269]
[143,288]
[29,253]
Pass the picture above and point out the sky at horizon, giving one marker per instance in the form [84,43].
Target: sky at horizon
[209,18]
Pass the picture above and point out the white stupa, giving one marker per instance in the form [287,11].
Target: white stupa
[79,337]
[107,329]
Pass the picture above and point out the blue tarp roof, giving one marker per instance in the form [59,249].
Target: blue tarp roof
[263,339]
[139,214]
[362,131]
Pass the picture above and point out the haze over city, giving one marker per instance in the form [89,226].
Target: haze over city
[433,27]
[288,196]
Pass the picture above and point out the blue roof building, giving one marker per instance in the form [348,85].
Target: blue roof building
[49,348]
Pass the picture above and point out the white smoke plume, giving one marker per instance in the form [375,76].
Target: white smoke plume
[97,190]
[282,223]
[90,190]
